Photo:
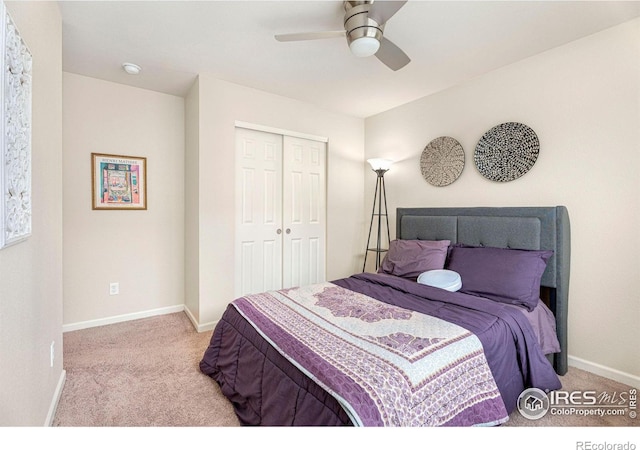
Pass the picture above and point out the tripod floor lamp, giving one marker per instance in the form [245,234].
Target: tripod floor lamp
[380,167]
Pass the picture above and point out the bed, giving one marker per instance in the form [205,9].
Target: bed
[383,349]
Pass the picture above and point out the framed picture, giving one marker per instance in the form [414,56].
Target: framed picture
[118,182]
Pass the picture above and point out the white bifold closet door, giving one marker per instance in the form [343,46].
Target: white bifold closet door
[280,211]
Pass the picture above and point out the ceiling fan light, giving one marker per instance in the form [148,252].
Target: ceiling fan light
[364,46]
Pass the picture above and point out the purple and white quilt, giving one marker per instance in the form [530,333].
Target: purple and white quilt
[386,365]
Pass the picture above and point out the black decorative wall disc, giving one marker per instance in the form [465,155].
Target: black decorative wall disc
[506,152]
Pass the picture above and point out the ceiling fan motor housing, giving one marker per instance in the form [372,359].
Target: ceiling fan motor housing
[358,24]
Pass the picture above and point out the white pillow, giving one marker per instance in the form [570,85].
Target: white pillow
[442,278]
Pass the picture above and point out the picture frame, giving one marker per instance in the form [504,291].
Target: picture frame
[118,182]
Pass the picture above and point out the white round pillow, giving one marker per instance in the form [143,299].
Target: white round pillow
[442,278]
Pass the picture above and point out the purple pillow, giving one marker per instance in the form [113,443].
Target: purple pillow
[409,258]
[501,274]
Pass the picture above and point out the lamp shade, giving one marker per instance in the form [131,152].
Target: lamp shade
[380,164]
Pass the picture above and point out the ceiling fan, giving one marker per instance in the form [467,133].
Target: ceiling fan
[364,23]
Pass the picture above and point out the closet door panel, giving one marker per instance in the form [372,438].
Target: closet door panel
[304,212]
[258,265]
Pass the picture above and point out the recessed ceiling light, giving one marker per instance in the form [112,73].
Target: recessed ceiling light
[131,69]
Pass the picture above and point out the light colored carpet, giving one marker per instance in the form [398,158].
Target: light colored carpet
[144,373]
[140,373]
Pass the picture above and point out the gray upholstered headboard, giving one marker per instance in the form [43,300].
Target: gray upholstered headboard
[531,228]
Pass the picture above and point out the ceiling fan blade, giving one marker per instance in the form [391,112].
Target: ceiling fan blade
[391,55]
[381,11]
[309,36]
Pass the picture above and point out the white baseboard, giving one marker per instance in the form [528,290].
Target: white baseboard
[604,371]
[198,326]
[56,398]
[121,318]
[209,326]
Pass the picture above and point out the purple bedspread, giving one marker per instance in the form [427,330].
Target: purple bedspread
[266,389]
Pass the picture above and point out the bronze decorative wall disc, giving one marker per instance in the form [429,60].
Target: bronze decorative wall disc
[442,161]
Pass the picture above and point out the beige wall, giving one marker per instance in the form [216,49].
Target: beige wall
[142,250]
[583,101]
[31,286]
[221,104]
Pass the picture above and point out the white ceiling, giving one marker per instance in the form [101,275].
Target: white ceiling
[448,42]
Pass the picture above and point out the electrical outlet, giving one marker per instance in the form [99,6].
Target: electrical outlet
[114,288]
[52,352]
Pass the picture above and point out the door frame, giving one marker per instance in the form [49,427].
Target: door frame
[267,129]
